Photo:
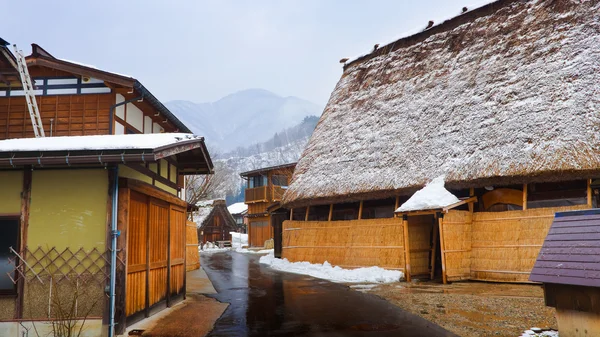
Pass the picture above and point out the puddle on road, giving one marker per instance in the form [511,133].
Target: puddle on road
[267,302]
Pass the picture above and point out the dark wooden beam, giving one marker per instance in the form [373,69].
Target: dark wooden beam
[24,225]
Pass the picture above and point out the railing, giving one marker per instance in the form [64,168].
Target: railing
[256,194]
[277,192]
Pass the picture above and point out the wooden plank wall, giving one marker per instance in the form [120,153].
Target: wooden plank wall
[192,257]
[505,245]
[158,240]
[350,244]
[177,248]
[260,231]
[73,115]
[137,254]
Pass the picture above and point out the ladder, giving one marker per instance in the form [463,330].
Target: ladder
[34,112]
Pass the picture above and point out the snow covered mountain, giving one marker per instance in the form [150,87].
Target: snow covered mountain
[246,117]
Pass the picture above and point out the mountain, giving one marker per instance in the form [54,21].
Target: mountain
[246,117]
[284,147]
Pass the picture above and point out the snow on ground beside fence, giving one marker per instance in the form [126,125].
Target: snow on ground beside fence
[532,333]
[238,240]
[210,248]
[334,274]
[247,251]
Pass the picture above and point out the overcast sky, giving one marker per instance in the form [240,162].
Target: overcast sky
[203,50]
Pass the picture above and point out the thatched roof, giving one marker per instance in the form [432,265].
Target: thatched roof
[506,93]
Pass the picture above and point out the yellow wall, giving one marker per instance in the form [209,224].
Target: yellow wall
[164,168]
[127,172]
[68,209]
[11,183]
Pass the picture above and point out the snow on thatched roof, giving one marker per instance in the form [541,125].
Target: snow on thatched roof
[507,92]
[205,207]
[432,196]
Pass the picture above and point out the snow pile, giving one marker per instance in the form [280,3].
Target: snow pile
[238,240]
[100,142]
[237,208]
[532,333]
[334,274]
[432,196]
[210,248]
[248,251]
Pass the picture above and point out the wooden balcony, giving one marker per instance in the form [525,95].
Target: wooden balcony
[256,194]
[264,194]
[277,192]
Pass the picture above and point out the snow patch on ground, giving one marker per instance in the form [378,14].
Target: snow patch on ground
[363,287]
[248,251]
[331,273]
[211,248]
[531,333]
[433,196]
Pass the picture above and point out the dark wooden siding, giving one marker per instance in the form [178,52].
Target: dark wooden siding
[571,251]
[73,115]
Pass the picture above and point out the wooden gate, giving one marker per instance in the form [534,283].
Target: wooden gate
[154,231]
[456,245]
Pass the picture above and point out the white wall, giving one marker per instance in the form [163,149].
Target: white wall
[135,117]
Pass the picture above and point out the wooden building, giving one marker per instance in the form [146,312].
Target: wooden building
[214,222]
[60,198]
[122,165]
[569,267]
[265,187]
[76,99]
[490,100]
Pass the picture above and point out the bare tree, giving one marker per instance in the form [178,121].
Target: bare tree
[211,186]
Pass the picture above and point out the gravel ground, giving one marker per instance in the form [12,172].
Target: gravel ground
[473,308]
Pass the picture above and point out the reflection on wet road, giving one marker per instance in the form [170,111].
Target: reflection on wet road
[265,302]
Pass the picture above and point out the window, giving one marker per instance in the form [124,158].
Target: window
[279,180]
[9,230]
[257,181]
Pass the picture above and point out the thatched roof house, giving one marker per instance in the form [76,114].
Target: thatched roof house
[506,93]
[214,222]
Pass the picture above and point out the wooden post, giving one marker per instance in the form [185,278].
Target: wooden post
[24,225]
[471,204]
[433,249]
[307,210]
[397,204]
[121,281]
[589,193]
[524,196]
[330,212]
[291,214]
[360,209]
[406,248]
[442,247]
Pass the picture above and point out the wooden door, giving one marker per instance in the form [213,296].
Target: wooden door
[158,236]
[456,244]
[137,254]
[177,251]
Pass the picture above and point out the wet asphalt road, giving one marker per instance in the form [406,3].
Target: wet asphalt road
[265,302]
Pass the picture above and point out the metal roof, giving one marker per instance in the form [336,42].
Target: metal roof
[571,252]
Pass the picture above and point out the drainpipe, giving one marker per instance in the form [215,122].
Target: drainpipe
[114,234]
[112,111]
